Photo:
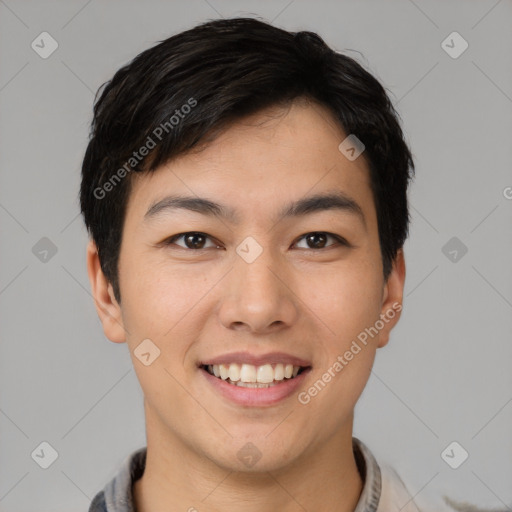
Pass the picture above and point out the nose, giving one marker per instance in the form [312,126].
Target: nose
[259,296]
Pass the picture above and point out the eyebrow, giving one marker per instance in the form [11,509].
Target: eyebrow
[316,203]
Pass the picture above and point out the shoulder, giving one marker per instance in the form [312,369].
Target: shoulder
[395,492]
[384,490]
[117,495]
[98,503]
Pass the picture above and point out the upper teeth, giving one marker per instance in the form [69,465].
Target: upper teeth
[250,373]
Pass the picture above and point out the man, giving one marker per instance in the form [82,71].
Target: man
[245,189]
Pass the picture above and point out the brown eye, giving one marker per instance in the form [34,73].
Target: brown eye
[318,239]
[193,240]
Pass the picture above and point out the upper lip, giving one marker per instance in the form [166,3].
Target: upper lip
[256,360]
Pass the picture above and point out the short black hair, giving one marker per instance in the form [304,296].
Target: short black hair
[190,86]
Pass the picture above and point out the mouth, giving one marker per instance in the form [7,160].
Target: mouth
[250,376]
[255,380]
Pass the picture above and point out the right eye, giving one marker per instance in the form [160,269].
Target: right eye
[193,240]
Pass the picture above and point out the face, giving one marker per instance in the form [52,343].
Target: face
[254,285]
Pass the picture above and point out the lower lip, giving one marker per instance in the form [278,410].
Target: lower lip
[256,397]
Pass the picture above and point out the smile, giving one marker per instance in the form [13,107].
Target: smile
[251,376]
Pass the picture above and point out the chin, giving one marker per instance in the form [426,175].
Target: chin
[256,453]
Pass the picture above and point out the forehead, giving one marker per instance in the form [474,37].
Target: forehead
[260,163]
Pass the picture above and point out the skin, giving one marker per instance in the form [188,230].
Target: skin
[196,304]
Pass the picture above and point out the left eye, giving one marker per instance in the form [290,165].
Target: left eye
[196,240]
[318,238]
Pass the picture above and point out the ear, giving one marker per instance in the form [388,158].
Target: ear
[109,311]
[392,297]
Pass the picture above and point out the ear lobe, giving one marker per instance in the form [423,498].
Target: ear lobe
[108,309]
[392,298]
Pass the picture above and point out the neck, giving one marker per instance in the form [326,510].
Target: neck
[178,478]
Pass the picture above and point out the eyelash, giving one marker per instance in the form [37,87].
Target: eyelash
[172,239]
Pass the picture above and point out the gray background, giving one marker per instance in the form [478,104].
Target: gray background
[445,375]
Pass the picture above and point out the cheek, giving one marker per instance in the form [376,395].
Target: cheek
[159,294]
[167,304]
[348,304]
[347,299]
[159,304]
